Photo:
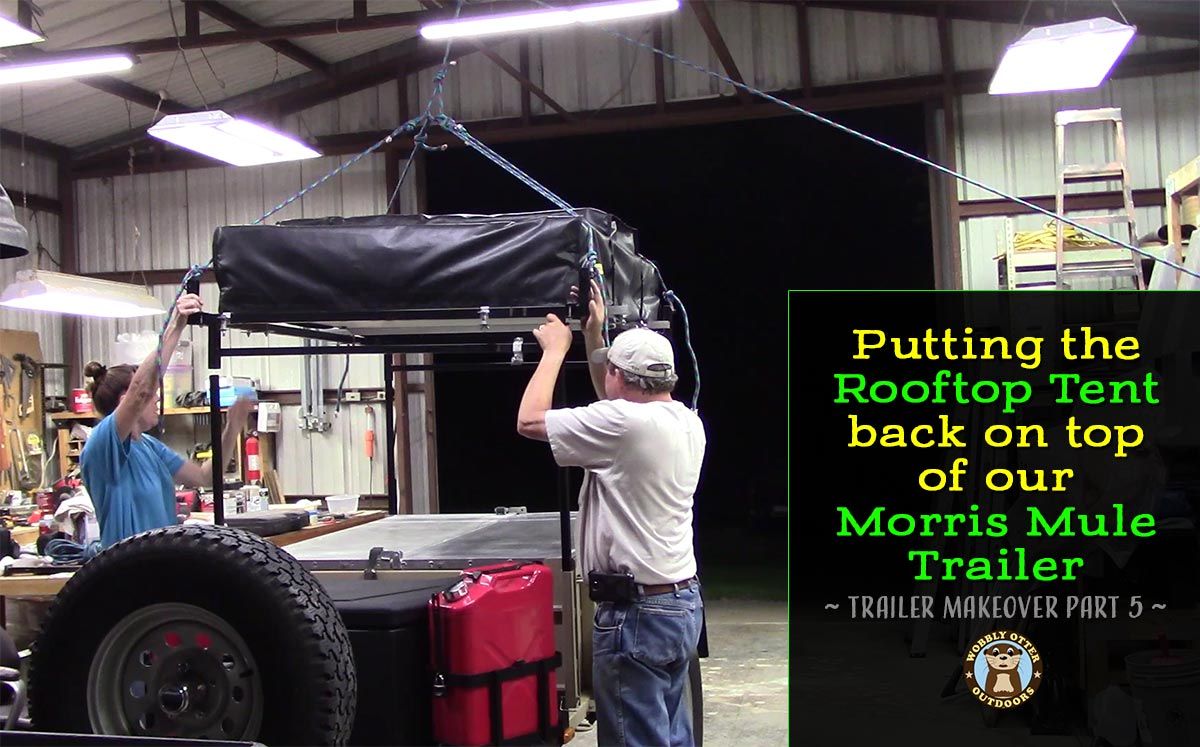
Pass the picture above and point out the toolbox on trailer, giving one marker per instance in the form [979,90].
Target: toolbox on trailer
[493,657]
[387,619]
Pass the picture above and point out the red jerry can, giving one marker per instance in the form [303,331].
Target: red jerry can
[493,656]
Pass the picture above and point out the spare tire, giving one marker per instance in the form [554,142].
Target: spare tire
[195,631]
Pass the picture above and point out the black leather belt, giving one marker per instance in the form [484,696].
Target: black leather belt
[650,591]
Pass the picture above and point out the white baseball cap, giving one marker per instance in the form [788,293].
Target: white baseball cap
[639,351]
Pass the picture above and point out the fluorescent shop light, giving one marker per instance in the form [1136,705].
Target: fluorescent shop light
[49,68]
[39,290]
[507,23]
[14,239]
[236,141]
[12,34]
[1063,57]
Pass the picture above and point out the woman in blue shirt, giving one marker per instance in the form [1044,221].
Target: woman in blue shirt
[130,475]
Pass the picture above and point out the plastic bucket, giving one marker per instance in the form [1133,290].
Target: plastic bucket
[342,504]
[1167,690]
[177,379]
[132,348]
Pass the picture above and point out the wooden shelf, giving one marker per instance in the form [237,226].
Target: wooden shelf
[49,586]
[70,449]
[61,416]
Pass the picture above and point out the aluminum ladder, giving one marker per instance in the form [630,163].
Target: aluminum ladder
[1115,266]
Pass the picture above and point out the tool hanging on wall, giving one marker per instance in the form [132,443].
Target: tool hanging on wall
[22,477]
[369,445]
[29,372]
[7,369]
[34,454]
[6,461]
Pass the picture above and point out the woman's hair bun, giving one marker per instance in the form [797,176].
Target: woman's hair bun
[94,370]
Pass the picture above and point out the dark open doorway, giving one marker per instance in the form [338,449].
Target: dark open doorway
[735,215]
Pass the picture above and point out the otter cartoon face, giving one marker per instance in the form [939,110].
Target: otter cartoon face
[1003,657]
[1003,669]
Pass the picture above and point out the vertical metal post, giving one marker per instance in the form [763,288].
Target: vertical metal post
[804,49]
[214,341]
[391,174]
[953,271]
[389,419]
[523,59]
[191,20]
[660,81]
[71,330]
[214,417]
[939,210]
[403,434]
[218,458]
[564,485]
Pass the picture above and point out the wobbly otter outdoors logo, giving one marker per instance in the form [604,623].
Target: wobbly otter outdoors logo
[1003,669]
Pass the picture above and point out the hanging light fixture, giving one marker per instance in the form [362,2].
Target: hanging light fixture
[1062,57]
[13,34]
[14,239]
[53,67]
[237,141]
[507,23]
[41,290]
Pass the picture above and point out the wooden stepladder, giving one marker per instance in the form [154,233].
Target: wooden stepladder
[1117,264]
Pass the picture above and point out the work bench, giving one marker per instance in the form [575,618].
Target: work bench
[430,544]
[44,586]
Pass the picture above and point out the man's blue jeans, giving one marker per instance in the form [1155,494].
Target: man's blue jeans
[640,656]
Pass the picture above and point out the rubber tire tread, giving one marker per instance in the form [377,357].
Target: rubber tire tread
[288,621]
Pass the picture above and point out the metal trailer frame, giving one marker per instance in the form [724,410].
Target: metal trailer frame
[439,546]
[480,341]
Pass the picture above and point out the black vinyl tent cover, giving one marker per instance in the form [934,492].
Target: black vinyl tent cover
[335,271]
[374,267]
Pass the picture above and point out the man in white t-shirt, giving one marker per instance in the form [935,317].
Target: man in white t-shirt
[641,453]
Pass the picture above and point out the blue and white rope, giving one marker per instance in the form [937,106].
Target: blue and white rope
[422,122]
[888,147]
[419,126]
[197,270]
[460,132]
[69,552]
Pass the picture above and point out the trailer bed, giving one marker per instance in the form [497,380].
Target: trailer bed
[444,543]
[439,541]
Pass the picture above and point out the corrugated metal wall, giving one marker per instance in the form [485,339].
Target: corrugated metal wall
[585,69]
[36,175]
[1008,142]
[25,171]
[166,220]
[1005,141]
[310,463]
[851,46]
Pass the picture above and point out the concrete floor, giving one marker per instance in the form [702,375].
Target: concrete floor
[864,686]
[745,678]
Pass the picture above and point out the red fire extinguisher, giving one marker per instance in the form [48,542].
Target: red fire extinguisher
[370,439]
[253,464]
